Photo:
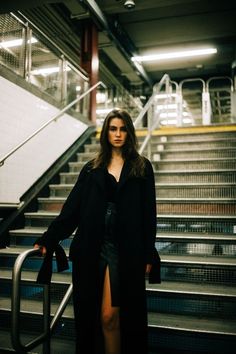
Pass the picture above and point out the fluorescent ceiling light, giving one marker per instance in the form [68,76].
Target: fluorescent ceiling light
[48,71]
[174,55]
[16,43]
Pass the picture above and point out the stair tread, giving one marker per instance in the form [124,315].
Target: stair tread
[160,320]
[198,171]
[191,184]
[178,259]
[207,159]
[199,260]
[199,149]
[192,323]
[36,306]
[39,230]
[197,217]
[28,275]
[169,185]
[159,199]
[192,237]
[193,288]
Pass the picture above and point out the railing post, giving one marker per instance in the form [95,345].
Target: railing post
[206,108]
[46,318]
[179,101]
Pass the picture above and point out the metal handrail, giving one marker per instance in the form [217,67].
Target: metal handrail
[58,115]
[220,78]
[156,88]
[15,308]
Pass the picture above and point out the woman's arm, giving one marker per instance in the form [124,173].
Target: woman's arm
[67,221]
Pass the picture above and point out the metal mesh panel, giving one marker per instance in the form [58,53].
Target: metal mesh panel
[46,69]
[197,249]
[12,49]
[191,304]
[195,165]
[188,342]
[198,273]
[196,225]
[196,177]
[205,192]
[191,208]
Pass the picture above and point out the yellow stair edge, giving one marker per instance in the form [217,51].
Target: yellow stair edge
[185,130]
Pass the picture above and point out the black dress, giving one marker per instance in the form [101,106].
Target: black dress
[109,249]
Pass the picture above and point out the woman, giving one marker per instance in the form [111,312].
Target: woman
[113,207]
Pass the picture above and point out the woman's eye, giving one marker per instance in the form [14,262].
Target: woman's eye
[123,129]
[112,129]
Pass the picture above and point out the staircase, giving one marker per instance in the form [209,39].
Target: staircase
[193,310]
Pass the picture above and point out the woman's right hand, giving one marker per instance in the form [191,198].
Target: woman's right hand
[42,249]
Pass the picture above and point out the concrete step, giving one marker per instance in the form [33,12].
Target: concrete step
[211,206]
[172,176]
[193,145]
[177,267]
[189,137]
[76,166]
[85,156]
[175,190]
[205,223]
[195,177]
[196,190]
[192,299]
[195,164]
[202,153]
[191,334]
[196,206]
[185,145]
[68,177]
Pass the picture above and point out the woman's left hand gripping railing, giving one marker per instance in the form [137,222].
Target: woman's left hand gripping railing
[15,309]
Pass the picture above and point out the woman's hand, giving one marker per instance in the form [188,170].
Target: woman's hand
[148,268]
[42,249]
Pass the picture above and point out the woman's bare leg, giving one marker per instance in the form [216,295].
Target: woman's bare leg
[110,319]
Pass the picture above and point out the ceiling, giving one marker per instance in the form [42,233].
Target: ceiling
[152,26]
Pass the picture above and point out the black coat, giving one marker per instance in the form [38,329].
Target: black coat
[84,210]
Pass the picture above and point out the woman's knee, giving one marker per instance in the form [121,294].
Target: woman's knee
[110,320]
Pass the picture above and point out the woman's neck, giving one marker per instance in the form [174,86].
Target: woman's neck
[116,154]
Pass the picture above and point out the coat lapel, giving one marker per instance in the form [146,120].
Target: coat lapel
[99,178]
[125,174]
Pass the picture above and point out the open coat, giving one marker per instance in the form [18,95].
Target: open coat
[84,210]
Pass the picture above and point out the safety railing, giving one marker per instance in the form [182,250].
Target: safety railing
[15,309]
[152,114]
[223,93]
[58,115]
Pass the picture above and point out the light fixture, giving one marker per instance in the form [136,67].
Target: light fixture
[175,55]
[129,4]
[16,43]
[48,71]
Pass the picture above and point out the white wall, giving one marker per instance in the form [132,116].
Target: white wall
[21,113]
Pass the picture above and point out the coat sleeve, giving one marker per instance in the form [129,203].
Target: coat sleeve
[149,212]
[67,221]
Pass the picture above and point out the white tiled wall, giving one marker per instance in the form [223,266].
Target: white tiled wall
[21,113]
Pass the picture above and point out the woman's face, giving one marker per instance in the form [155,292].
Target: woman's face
[117,132]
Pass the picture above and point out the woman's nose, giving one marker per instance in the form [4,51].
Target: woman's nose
[118,132]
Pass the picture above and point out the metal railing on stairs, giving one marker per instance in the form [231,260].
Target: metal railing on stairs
[53,119]
[48,326]
[152,114]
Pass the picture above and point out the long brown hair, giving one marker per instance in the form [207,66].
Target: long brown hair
[129,150]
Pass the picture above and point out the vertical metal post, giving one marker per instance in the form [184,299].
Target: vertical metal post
[206,108]
[179,102]
[46,318]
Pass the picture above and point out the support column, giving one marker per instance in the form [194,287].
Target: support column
[90,61]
